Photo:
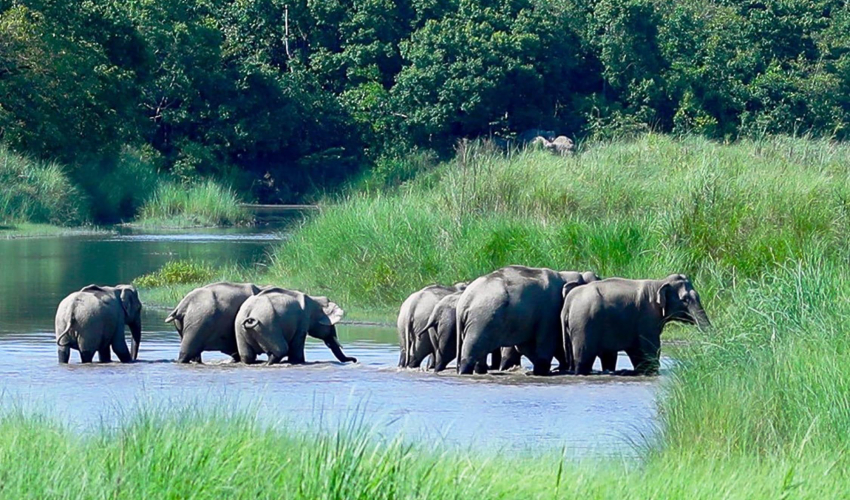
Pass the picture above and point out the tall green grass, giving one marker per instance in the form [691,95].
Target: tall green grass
[206,203]
[762,227]
[194,454]
[38,192]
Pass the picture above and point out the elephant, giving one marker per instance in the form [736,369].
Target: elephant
[277,321]
[205,318]
[514,306]
[616,314]
[412,317]
[441,330]
[93,319]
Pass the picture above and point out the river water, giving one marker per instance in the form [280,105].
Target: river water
[597,415]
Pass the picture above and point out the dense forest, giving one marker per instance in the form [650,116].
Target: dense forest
[281,98]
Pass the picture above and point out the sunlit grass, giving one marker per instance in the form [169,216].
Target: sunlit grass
[217,454]
[204,204]
[32,191]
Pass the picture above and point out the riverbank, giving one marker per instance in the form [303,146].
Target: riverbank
[12,231]
[219,454]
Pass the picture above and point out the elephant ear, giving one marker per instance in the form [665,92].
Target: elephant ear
[661,298]
[332,313]
[130,302]
[570,285]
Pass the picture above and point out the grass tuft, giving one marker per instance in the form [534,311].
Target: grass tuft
[204,204]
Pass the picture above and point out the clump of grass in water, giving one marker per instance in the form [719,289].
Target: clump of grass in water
[203,204]
[177,272]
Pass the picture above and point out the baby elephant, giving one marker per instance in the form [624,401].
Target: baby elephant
[92,320]
[617,314]
[442,331]
[277,321]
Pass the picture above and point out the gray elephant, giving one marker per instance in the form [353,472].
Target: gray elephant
[205,318]
[618,314]
[93,319]
[442,332]
[277,321]
[514,306]
[413,337]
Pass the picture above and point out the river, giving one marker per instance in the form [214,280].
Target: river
[598,415]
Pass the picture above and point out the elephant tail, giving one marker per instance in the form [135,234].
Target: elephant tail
[66,338]
[568,341]
[410,340]
[174,315]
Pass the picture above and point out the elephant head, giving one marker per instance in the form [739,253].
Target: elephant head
[323,327]
[679,301]
[129,297]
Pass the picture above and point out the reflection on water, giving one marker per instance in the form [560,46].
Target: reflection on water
[586,414]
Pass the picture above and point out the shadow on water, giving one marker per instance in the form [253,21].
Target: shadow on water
[596,415]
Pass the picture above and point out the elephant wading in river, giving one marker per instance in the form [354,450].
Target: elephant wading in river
[205,318]
[514,306]
[93,319]
[277,321]
[442,332]
[412,317]
[618,314]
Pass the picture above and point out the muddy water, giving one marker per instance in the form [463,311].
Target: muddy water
[591,415]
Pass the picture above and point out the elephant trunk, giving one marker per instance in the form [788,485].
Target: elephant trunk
[700,317]
[333,345]
[136,333]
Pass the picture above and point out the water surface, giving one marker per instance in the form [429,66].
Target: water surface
[586,415]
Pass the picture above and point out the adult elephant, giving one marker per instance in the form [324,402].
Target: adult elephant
[205,317]
[93,319]
[618,314]
[441,330]
[413,338]
[514,306]
[277,321]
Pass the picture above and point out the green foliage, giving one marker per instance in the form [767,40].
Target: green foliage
[223,89]
[177,272]
[206,203]
[34,191]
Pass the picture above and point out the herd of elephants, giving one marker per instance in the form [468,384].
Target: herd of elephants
[514,311]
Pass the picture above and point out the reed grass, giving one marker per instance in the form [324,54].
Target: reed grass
[204,204]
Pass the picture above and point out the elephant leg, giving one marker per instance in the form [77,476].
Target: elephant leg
[481,367]
[432,361]
[296,350]
[472,359]
[233,355]
[86,356]
[249,358]
[104,354]
[191,347]
[584,359]
[609,361]
[561,356]
[246,350]
[644,363]
[510,358]
[64,353]
[274,359]
[121,350]
[495,359]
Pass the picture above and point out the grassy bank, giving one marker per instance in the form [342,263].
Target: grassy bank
[760,226]
[216,455]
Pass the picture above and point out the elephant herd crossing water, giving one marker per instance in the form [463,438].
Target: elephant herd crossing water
[515,311]
[542,314]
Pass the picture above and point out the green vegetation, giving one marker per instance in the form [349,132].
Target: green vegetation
[38,192]
[204,204]
[214,454]
[220,89]
[761,226]
[165,287]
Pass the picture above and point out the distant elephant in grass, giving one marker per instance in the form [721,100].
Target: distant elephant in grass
[93,319]
[413,338]
[277,321]
[205,318]
[514,306]
[618,314]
